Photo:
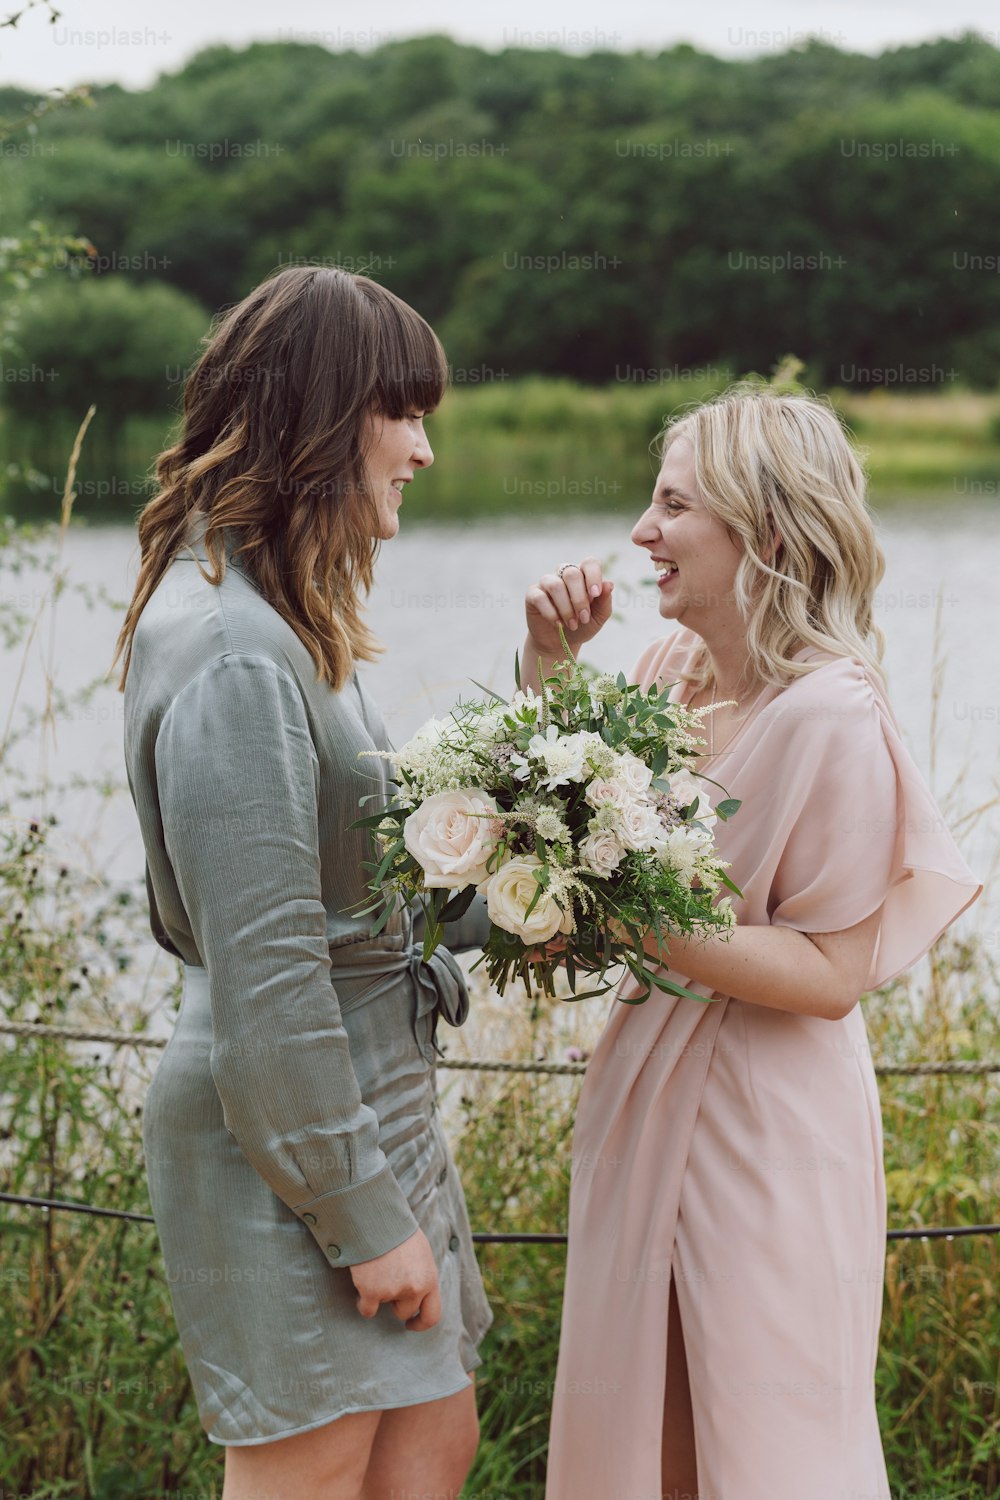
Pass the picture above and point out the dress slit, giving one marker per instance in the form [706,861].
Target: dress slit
[678,1492]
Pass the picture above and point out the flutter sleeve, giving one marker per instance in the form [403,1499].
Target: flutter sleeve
[855,827]
[238,779]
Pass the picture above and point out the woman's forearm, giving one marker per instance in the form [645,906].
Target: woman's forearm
[773,966]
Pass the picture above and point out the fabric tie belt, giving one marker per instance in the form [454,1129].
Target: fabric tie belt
[441,988]
[439,982]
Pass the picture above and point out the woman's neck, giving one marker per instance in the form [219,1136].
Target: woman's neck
[731,665]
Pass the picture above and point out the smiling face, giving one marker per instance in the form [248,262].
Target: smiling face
[393,449]
[695,557]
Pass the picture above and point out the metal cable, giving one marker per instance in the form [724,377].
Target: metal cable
[954,1231]
[493,1065]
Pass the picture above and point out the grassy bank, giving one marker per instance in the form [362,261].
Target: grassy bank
[520,448]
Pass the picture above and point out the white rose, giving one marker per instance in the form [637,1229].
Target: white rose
[433,732]
[639,827]
[634,773]
[450,837]
[416,753]
[608,792]
[490,726]
[601,851]
[511,891]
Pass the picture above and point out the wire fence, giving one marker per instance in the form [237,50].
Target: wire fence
[950,1232]
[490,1064]
[38,1029]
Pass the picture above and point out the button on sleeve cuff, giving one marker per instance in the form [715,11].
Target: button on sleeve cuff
[360,1222]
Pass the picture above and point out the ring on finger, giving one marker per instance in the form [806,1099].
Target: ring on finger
[561,571]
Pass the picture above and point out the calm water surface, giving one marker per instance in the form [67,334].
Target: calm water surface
[449,606]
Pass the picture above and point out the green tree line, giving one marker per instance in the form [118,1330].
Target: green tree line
[610,217]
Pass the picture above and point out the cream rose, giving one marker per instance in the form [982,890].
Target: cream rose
[601,851]
[639,827]
[634,774]
[608,791]
[451,837]
[511,891]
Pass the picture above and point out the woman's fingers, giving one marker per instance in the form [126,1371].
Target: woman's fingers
[575,586]
[427,1313]
[538,602]
[565,601]
[584,583]
[578,604]
[568,599]
[601,607]
[593,578]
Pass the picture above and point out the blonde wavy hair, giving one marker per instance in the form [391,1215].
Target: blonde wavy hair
[272,446]
[767,461]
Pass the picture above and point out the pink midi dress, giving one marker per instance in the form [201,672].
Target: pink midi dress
[738,1149]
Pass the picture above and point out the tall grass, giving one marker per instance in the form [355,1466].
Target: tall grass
[94,1398]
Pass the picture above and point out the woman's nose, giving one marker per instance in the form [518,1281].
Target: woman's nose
[644,530]
[423,453]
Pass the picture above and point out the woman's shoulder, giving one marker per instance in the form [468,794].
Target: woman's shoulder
[194,629]
[666,659]
[837,692]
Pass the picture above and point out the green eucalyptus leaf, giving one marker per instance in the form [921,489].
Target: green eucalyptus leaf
[459,904]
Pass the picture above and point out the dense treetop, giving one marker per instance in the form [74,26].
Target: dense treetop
[600,216]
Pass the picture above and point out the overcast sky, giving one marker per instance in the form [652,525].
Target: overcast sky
[103,40]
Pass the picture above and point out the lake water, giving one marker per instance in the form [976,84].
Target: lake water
[449,607]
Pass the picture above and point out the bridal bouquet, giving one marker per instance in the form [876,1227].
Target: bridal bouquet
[574,812]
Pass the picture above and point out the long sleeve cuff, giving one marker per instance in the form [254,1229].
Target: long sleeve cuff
[360,1222]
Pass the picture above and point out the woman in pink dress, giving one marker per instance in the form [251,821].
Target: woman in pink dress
[727,1212]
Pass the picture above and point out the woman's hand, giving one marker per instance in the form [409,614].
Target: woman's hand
[406,1278]
[579,601]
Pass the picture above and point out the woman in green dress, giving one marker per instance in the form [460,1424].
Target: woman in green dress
[313,1227]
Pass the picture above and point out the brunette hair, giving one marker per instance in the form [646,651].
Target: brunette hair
[272,445]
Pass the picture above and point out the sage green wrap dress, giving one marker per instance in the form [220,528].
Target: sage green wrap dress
[291,1129]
